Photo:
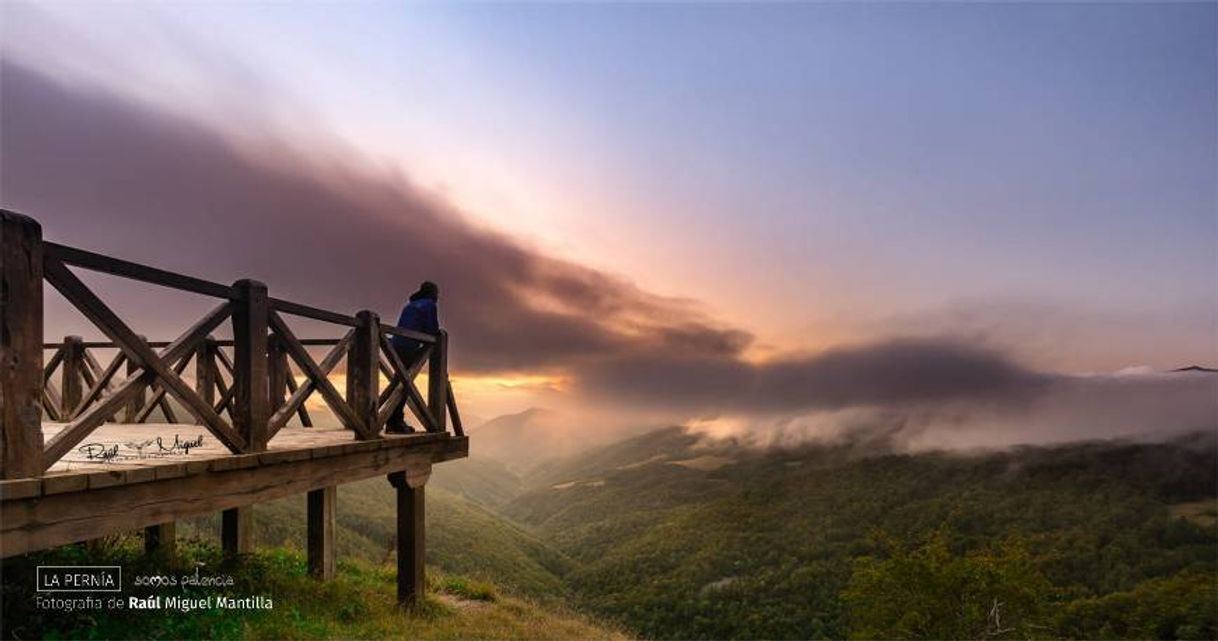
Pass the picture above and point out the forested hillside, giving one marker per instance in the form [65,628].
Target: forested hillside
[682,540]
[676,537]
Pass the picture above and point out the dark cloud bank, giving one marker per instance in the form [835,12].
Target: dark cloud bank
[103,173]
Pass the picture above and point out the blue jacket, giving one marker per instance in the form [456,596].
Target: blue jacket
[420,315]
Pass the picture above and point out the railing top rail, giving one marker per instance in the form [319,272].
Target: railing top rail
[135,271]
[406,333]
[221,342]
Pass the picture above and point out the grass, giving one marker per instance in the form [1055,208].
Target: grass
[359,603]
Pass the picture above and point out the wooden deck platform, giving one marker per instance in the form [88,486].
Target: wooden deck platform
[102,469]
[83,497]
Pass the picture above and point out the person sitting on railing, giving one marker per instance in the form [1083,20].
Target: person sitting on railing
[421,314]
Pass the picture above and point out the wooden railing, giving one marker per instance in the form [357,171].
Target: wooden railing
[255,386]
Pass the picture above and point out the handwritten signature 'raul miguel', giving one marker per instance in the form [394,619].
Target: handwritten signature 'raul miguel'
[141,449]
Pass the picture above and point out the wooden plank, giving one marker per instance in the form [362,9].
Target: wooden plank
[281,416]
[21,371]
[71,435]
[322,504]
[458,428]
[251,401]
[135,271]
[60,483]
[106,320]
[336,402]
[14,489]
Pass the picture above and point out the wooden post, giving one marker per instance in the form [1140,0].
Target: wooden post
[237,531]
[251,399]
[411,534]
[161,538]
[71,387]
[205,370]
[321,504]
[21,346]
[136,405]
[437,382]
[363,372]
[277,366]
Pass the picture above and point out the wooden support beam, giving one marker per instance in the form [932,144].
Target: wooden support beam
[20,346]
[363,373]
[437,381]
[321,512]
[251,401]
[458,428]
[237,530]
[411,534]
[161,538]
[71,383]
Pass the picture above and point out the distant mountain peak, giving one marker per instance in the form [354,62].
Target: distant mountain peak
[1196,368]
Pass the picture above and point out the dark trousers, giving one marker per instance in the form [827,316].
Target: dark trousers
[409,353]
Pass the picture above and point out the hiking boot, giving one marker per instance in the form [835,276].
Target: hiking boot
[398,427]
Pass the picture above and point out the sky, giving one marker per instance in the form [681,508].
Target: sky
[686,206]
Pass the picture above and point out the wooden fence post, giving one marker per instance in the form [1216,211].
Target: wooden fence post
[71,388]
[21,346]
[136,404]
[161,538]
[437,382]
[251,399]
[411,533]
[321,521]
[205,370]
[277,366]
[237,530]
[364,373]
